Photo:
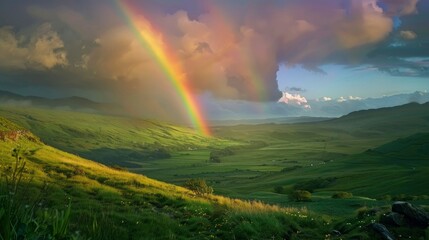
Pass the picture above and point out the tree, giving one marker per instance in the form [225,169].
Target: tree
[198,186]
[300,196]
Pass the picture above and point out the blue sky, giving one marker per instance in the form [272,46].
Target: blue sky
[344,81]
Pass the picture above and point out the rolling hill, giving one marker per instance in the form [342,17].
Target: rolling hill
[54,189]
[68,103]
[391,120]
[108,139]
[110,203]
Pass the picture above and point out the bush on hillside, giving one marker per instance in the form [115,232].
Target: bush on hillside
[313,184]
[279,189]
[198,186]
[300,196]
[342,195]
[216,155]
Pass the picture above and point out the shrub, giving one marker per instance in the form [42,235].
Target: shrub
[216,155]
[198,186]
[313,184]
[300,196]
[342,195]
[279,189]
[385,198]
[290,169]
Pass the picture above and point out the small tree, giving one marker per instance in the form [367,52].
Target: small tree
[199,187]
[300,196]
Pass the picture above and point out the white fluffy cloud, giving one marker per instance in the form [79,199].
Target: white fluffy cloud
[294,99]
[351,98]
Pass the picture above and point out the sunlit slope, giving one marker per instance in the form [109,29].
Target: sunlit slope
[114,204]
[107,139]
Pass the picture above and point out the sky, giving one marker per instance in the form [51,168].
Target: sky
[185,60]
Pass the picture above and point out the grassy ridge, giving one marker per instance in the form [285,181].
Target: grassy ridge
[113,204]
[108,139]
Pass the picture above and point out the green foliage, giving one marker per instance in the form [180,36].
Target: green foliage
[279,189]
[314,184]
[290,169]
[216,155]
[21,217]
[342,195]
[60,222]
[198,186]
[300,196]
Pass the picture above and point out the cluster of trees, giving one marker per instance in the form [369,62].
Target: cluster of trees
[216,155]
[314,184]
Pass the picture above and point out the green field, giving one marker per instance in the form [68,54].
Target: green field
[377,156]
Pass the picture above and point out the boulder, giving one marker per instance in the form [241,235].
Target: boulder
[416,216]
[382,231]
[393,219]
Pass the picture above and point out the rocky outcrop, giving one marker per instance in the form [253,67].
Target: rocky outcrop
[414,215]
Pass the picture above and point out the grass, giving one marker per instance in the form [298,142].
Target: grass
[78,199]
[108,139]
[367,154]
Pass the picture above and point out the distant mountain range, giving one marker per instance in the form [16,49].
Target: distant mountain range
[70,103]
[339,107]
[267,112]
[232,112]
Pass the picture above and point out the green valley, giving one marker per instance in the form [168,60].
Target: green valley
[367,159]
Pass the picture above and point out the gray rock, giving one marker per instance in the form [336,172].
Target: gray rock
[418,217]
[393,219]
[336,232]
[382,231]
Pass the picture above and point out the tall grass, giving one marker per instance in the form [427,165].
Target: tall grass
[22,217]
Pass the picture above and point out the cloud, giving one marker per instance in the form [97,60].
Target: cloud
[349,98]
[407,35]
[42,48]
[295,89]
[294,99]
[400,7]
[324,99]
[220,48]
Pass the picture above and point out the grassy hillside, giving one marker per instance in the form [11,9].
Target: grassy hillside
[333,152]
[110,203]
[107,203]
[108,139]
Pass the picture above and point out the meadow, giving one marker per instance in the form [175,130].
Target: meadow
[374,156]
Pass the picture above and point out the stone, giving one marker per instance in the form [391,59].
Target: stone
[382,231]
[416,216]
[393,219]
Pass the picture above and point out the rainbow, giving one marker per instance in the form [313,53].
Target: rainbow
[151,40]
